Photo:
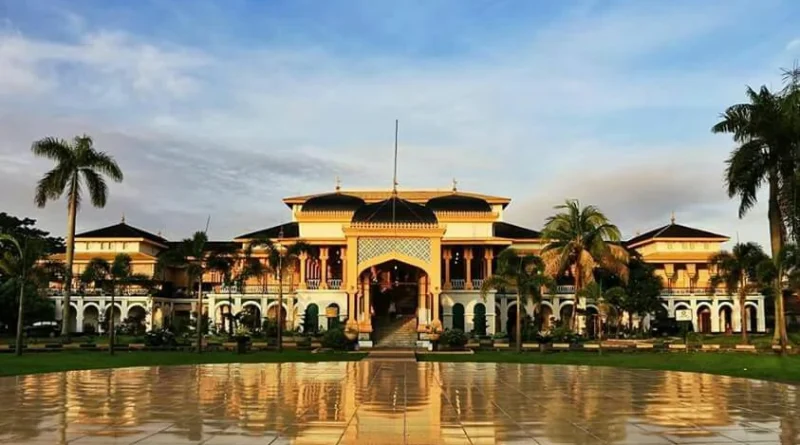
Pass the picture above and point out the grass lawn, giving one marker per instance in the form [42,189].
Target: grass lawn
[34,363]
[761,366]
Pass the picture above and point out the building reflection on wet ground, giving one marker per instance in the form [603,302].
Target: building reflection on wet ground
[374,402]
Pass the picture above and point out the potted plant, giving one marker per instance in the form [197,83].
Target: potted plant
[351,330]
[242,337]
[435,330]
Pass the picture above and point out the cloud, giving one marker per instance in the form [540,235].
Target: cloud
[793,45]
[575,107]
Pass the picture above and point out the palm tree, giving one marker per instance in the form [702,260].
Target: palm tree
[738,272]
[766,130]
[279,257]
[118,275]
[581,240]
[197,257]
[524,274]
[23,269]
[78,166]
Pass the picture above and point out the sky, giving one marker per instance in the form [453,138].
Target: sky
[223,108]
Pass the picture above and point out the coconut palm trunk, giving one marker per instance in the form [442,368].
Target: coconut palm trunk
[743,312]
[519,322]
[578,288]
[777,241]
[111,333]
[20,322]
[199,321]
[72,215]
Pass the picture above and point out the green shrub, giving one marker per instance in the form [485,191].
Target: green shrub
[455,338]
[480,323]
[335,339]
[500,336]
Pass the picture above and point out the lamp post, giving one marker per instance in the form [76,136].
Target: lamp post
[279,247]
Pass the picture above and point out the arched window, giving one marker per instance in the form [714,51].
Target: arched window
[458,316]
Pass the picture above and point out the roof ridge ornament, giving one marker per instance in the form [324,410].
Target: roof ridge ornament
[338,184]
[455,185]
[123,218]
[672,218]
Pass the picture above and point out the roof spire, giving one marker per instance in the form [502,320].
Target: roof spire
[455,185]
[394,178]
[123,217]
[672,218]
[338,184]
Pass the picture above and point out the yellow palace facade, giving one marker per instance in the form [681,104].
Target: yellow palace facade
[395,263]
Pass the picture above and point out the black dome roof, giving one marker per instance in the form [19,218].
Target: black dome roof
[456,202]
[404,212]
[333,201]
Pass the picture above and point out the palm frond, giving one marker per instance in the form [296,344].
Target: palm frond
[98,190]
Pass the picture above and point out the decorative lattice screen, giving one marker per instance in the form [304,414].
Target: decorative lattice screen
[419,248]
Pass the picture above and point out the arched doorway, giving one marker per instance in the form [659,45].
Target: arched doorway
[704,320]
[91,320]
[479,320]
[251,317]
[223,316]
[511,323]
[458,316]
[752,318]
[566,314]
[117,317]
[272,313]
[592,322]
[311,319]
[137,317]
[726,319]
[545,317]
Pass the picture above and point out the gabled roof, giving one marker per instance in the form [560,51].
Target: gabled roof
[415,196]
[502,229]
[290,230]
[122,231]
[674,231]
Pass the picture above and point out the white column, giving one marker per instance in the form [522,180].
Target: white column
[693,307]
[148,319]
[78,316]
[761,319]
[447,317]
[212,311]
[556,308]
[715,316]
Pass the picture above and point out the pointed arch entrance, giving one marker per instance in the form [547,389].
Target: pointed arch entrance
[392,300]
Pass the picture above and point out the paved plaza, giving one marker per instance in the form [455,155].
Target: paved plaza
[382,402]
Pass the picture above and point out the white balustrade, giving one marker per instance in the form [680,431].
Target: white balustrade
[569,289]
[477,283]
[312,283]
[458,284]
[334,283]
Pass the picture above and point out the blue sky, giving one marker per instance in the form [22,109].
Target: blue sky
[224,107]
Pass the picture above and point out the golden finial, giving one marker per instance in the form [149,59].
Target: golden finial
[455,185]
[672,218]
[338,184]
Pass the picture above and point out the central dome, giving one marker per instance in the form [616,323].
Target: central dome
[394,209]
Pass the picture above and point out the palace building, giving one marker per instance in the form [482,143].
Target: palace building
[393,263]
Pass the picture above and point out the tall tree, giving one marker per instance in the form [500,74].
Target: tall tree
[79,167]
[738,272]
[197,256]
[765,129]
[22,269]
[525,275]
[580,240]
[115,277]
[279,259]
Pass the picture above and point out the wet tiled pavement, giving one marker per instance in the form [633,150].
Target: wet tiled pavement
[374,402]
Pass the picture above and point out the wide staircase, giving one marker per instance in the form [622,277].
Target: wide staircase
[399,333]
